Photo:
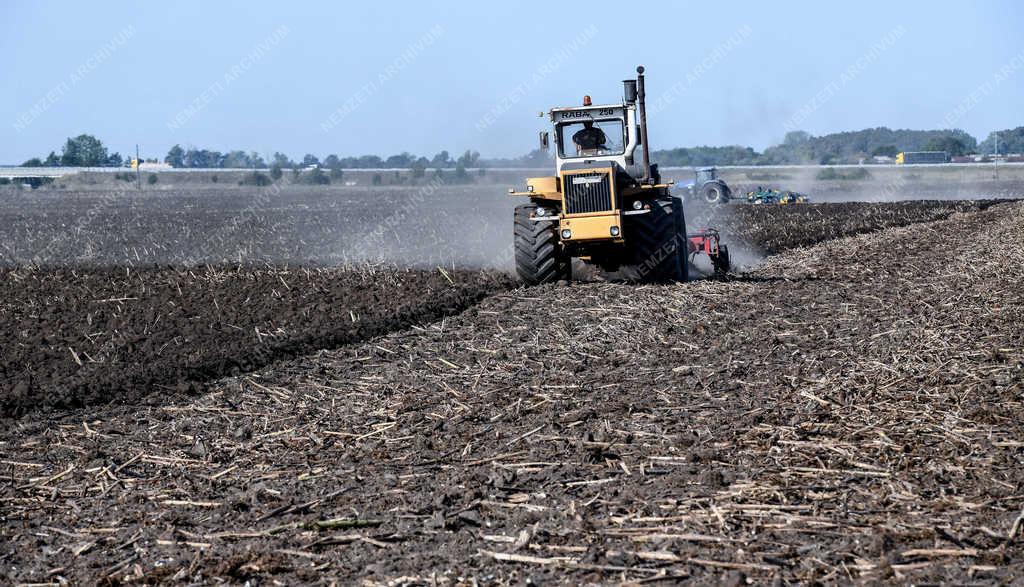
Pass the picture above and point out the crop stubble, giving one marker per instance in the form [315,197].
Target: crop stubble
[846,411]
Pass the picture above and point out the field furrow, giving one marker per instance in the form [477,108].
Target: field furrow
[846,411]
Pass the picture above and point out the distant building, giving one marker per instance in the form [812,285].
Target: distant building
[145,166]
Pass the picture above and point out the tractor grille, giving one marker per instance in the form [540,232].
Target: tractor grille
[587,192]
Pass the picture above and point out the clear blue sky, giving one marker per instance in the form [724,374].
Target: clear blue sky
[733,72]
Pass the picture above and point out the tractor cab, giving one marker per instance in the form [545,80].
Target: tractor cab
[595,135]
[706,174]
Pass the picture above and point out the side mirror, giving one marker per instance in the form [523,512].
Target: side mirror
[544,140]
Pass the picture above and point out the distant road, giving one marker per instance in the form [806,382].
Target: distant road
[16,172]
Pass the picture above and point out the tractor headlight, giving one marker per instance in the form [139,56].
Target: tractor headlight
[529,188]
[637,205]
[566,233]
[542,212]
[614,231]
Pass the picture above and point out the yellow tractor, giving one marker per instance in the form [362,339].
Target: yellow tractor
[605,206]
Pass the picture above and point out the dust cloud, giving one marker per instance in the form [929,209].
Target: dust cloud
[466,227]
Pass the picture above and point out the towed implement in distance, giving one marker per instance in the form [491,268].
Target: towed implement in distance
[606,206]
[763,195]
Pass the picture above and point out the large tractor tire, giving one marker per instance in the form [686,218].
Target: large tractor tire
[714,193]
[539,254]
[657,243]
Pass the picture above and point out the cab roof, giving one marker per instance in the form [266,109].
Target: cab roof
[591,107]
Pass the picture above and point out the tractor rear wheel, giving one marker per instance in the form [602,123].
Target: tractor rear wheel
[714,193]
[657,242]
[540,257]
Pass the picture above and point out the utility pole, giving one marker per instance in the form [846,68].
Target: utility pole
[995,156]
[138,169]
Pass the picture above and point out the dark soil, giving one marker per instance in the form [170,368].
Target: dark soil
[770,229]
[847,412]
[75,337]
[421,226]
[87,331]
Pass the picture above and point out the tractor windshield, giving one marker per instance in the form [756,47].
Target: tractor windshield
[590,138]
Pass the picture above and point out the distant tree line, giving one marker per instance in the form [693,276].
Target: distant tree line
[706,156]
[1008,141]
[203,158]
[801,148]
[851,147]
[798,147]
[80,151]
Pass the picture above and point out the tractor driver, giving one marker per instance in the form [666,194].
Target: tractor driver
[589,139]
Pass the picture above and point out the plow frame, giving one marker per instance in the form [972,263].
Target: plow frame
[708,242]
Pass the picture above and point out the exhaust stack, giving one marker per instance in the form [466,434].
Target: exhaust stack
[629,91]
[642,107]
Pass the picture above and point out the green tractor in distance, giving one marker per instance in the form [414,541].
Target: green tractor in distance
[707,188]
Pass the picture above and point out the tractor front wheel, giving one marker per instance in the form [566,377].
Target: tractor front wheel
[657,243]
[540,257]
